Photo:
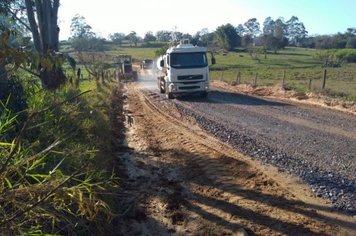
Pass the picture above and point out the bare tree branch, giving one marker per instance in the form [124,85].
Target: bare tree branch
[19,20]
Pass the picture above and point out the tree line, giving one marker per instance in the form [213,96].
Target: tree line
[273,34]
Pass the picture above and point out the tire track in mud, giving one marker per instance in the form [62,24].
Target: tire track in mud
[244,196]
[328,182]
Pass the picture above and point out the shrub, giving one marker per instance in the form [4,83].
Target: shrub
[346,55]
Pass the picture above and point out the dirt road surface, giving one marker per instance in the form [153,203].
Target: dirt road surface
[180,178]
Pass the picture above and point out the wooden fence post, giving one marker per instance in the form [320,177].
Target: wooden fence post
[78,77]
[255,81]
[222,76]
[284,79]
[324,80]
[310,84]
[238,76]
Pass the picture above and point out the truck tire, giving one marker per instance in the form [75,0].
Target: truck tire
[169,95]
[204,94]
[134,75]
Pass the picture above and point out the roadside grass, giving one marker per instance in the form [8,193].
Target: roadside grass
[57,173]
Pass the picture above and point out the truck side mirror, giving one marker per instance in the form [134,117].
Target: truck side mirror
[213,61]
[161,63]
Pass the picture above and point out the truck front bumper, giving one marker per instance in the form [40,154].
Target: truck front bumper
[189,87]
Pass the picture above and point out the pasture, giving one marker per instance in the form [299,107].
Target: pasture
[300,69]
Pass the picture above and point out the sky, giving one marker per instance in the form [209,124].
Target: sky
[189,16]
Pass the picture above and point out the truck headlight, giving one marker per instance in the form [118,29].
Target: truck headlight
[206,86]
[172,88]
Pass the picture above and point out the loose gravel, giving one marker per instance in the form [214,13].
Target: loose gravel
[323,170]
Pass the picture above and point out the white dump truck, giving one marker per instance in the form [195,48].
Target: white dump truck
[184,69]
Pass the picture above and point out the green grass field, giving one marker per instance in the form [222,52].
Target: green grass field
[297,66]
[138,54]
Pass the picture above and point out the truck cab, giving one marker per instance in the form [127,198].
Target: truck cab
[183,70]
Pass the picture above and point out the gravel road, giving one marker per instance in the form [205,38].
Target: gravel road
[314,143]
[179,180]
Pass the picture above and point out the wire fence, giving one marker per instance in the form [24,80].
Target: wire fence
[335,82]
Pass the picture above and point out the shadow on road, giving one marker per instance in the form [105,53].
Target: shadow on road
[225,97]
[214,208]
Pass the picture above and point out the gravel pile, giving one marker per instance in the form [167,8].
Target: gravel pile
[339,190]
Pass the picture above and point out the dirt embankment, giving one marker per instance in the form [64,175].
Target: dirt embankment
[179,180]
[280,93]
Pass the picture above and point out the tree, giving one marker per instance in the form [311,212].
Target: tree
[351,38]
[14,10]
[241,30]
[192,40]
[3,71]
[163,36]
[296,31]
[79,28]
[351,32]
[274,34]
[132,36]
[83,38]
[252,27]
[5,6]
[273,43]
[177,36]
[280,29]
[149,37]
[11,35]
[226,37]
[195,39]
[42,17]
[268,26]
[247,41]
[205,37]
[351,42]
[201,38]
[117,38]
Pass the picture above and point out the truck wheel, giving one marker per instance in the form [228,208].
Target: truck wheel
[204,94]
[169,95]
[135,75]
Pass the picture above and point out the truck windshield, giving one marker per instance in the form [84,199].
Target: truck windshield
[188,60]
